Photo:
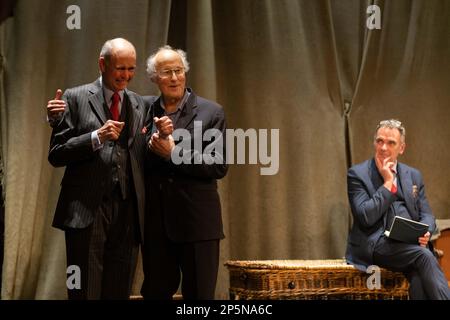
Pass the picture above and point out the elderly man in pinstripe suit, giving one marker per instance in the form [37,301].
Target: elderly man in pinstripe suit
[98,138]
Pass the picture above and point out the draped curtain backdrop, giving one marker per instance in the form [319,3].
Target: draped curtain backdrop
[311,69]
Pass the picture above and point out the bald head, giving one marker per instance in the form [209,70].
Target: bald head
[117,45]
[117,63]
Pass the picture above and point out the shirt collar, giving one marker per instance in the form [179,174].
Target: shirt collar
[109,93]
[180,104]
[395,167]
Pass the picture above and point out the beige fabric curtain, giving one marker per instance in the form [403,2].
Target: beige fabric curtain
[42,54]
[277,69]
[406,75]
[308,68]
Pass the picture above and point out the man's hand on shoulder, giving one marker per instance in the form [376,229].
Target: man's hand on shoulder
[55,107]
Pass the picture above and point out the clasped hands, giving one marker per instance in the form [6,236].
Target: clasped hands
[161,142]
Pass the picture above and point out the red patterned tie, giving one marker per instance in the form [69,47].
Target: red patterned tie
[115,106]
[394,184]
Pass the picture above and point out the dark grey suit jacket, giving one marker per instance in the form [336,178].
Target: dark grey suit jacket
[87,171]
[370,201]
[188,192]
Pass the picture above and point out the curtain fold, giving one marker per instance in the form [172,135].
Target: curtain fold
[405,75]
[278,70]
[42,56]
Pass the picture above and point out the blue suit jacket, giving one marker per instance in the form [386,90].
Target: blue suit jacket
[370,201]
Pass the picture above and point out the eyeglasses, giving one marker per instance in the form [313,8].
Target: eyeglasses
[169,73]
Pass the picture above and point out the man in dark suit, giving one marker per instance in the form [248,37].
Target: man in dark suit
[183,225]
[378,190]
[101,205]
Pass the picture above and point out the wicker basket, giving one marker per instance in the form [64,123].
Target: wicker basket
[310,279]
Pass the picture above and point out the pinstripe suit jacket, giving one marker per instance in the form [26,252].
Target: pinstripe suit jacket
[87,171]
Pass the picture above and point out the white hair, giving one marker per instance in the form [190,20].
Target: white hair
[151,61]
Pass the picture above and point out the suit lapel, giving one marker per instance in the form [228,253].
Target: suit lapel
[134,116]
[377,181]
[406,183]
[375,177]
[97,101]
[188,113]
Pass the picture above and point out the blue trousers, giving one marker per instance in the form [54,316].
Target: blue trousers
[426,279]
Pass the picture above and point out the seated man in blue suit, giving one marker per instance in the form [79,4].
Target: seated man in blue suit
[378,190]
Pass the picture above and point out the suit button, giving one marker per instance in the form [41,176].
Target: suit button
[118,153]
[118,166]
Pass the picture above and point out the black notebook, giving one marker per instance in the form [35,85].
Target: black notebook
[406,230]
